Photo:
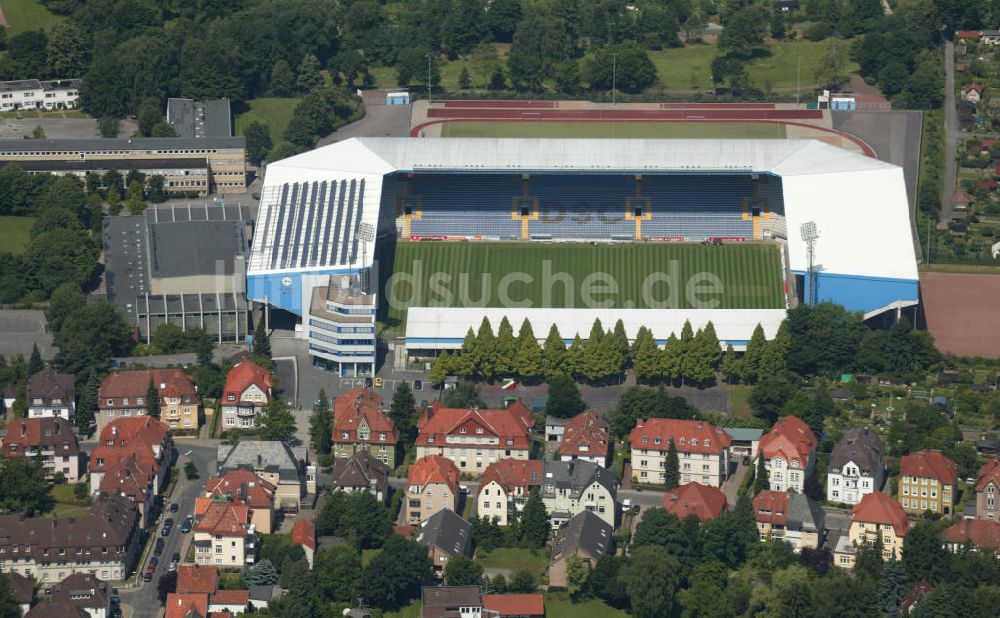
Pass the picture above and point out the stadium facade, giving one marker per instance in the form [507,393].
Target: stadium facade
[324,212]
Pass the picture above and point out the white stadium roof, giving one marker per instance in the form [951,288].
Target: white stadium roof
[859,203]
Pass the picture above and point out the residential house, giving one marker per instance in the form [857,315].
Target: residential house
[432,485]
[286,468]
[260,596]
[790,517]
[148,439]
[586,536]
[916,594]
[555,427]
[569,487]
[928,482]
[23,590]
[51,439]
[474,438]
[225,603]
[514,605]
[982,533]
[247,391]
[304,535]
[361,472]
[702,449]
[197,579]
[132,479]
[968,36]
[988,491]
[51,393]
[587,437]
[223,534]
[58,609]
[876,514]
[973,93]
[695,499]
[123,394]
[856,468]
[446,535]
[789,452]
[359,424]
[189,605]
[451,602]
[85,591]
[504,488]
[104,542]
[246,487]
[39,94]
[990,37]
[745,443]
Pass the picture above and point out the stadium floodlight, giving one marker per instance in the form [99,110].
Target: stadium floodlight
[366,234]
[810,234]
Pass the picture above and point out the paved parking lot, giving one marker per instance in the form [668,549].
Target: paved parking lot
[20,330]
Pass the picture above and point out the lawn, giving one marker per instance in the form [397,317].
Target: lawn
[750,275]
[15,233]
[275,113]
[691,67]
[739,401]
[410,611]
[367,555]
[558,605]
[515,559]
[25,15]
[617,130]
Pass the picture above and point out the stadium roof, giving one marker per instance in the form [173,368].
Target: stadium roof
[858,203]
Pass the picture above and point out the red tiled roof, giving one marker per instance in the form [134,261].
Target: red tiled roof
[104,458]
[129,477]
[695,499]
[511,426]
[243,376]
[790,439]
[143,429]
[197,578]
[771,507]
[243,485]
[55,432]
[989,473]
[404,531]
[987,143]
[355,406]
[878,508]
[919,591]
[433,469]
[224,519]
[962,198]
[512,474]
[973,86]
[181,605]
[119,385]
[589,430]
[515,604]
[969,34]
[982,532]
[986,184]
[929,464]
[231,597]
[304,533]
[688,436]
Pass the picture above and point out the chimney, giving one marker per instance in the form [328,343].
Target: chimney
[24,429]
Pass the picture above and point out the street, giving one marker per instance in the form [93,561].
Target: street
[952,136]
[139,600]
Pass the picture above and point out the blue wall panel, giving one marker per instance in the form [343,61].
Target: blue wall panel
[859,293]
[284,291]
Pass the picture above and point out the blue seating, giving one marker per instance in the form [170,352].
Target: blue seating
[583,206]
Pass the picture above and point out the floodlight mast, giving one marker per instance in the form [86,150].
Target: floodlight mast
[810,234]
[366,233]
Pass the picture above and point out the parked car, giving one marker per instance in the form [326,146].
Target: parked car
[378,382]
[147,575]
[417,385]
[155,560]
[174,507]
[158,549]
[186,524]
[175,557]
[172,567]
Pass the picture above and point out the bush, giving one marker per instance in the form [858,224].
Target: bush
[190,471]
[81,492]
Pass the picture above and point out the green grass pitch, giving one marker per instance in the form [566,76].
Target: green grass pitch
[15,234]
[616,130]
[644,275]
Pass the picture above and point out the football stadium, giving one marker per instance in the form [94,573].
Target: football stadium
[425,237]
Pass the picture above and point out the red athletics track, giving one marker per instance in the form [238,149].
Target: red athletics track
[865,148]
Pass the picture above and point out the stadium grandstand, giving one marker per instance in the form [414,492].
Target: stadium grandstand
[635,207]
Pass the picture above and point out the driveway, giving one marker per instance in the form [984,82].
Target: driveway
[20,330]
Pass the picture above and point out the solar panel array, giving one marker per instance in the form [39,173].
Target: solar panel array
[310,224]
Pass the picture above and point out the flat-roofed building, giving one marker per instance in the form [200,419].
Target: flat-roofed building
[223,159]
[341,327]
[209,118]
[182,266]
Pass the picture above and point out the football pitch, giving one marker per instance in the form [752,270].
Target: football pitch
[581,275]
[617,130]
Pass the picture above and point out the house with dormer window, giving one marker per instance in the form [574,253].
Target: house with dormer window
[247,391]
[789,452]
[359,424]
[702,451]
[473,438]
